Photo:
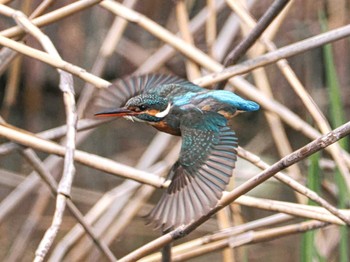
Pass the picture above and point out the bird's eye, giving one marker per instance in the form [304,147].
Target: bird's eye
[142,107]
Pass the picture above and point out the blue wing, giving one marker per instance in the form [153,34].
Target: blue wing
[204,168]
[230,98]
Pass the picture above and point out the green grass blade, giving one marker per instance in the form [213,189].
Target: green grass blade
[337,116]
[337,113]
[308,249]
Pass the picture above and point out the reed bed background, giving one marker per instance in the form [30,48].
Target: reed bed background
[76,189]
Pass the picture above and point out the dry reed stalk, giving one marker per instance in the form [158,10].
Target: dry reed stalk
[108,46]
[3,2]
[101,226]
[147,24]
[266,19]
[32,180]
[66,86]
[300,90]
[250,238]
[227,34]
[286,181]
[261,82]
[155,182]
[192,69]
[106,51]
[52,17]
[228,198]
[223,218]
[10,179]
[120,194]
[165,52]
[223,234]
[20,244]
[32,158]
[243,86]
[17,31]
[120,223]
[41,8]
[297,187]
[91,160]
[210,27]
[53,61]
[54,133]
[7,54]
[12,85]
[283,163]
[30,183]
[297,210]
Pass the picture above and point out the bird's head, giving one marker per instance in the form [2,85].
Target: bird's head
[144,108]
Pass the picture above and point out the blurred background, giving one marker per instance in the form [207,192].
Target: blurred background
[30,99]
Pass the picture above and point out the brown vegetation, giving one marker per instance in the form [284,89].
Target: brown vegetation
[55,54]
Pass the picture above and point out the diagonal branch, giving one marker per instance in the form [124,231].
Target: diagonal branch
[91,160]
[271,13]
[228,198]
[33,159]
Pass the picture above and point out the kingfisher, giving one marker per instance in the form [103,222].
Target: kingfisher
[208,150]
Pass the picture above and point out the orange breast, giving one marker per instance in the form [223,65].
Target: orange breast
[162,126]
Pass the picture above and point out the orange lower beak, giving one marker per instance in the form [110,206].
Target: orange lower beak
[119,112]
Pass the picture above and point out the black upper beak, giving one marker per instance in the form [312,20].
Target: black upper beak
[119,112]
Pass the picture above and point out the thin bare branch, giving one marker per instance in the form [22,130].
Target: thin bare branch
[299,89]
[242,86]
[66,86]
[271,13]
[294,184]
[193,71]
[53,61]
[52,17]
[52,184]
[228,198]
[82,157]
[222,234]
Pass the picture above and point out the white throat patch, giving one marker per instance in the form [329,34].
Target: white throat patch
[133,119]
[165,112]
[129,118]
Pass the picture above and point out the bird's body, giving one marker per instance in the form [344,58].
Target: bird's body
[208,151]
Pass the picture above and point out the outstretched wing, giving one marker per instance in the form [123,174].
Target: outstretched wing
[116,95]
[204,168]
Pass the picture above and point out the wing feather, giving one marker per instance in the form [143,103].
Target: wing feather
[199,177]
[121,90]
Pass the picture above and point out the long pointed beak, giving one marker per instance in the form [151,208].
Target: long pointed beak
[119,112]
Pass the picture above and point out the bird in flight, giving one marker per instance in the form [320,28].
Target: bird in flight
[208,151]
